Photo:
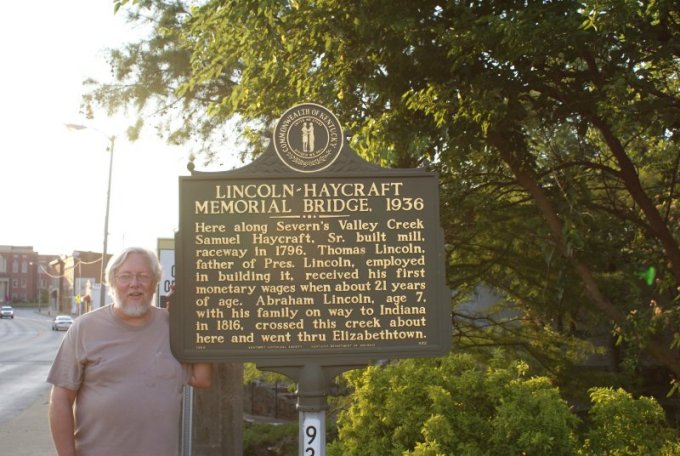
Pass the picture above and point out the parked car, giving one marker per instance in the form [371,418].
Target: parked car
[7,312]
[61,322]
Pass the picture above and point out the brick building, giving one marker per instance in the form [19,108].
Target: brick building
[19,277]
[65,284]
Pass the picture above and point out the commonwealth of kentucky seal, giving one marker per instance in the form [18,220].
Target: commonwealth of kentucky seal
[308,138]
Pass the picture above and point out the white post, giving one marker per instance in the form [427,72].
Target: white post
[312,434]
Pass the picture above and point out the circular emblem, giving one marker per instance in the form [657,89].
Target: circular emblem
[308,138]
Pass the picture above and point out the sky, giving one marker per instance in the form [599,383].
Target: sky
[53,181]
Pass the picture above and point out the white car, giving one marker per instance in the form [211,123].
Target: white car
[7,312]
[62,322]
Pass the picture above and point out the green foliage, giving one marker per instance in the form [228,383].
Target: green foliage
[252,373]
[533,417]
[270,440]
[621,425]
[453,405]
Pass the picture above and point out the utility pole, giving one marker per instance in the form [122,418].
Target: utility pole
[112,141]
[102,290]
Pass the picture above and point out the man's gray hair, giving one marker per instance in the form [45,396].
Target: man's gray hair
[117,260]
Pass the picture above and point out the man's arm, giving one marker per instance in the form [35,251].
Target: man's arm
[201,375]
[62,422]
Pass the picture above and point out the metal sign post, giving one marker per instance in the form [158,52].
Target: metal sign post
[314,383]
[187,420]
[312,391]
[312,435]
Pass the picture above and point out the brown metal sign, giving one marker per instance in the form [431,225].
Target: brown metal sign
[309,253]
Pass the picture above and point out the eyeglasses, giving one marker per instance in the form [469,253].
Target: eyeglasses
[127,277]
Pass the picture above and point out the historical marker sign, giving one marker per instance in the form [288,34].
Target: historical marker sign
[310,253]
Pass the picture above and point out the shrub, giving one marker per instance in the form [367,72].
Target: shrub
[453,405]
[532,418]
[270,440]
[621,425]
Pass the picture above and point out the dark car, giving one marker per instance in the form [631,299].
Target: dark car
[6,312]
[62,322]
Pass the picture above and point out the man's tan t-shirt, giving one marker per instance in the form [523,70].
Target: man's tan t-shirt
[128,382]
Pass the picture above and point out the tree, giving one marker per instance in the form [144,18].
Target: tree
[553,125]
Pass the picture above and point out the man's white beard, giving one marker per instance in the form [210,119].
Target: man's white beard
[135,310]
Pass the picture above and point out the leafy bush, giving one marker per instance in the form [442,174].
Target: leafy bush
[621,425]
[453,405]
[456,406]
[532,416]
[270,440]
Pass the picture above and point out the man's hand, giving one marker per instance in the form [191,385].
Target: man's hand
[201,375]
[167,299]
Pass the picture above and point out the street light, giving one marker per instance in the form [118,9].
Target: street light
[112,141]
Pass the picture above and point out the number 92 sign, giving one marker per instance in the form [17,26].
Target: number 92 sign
[312,438]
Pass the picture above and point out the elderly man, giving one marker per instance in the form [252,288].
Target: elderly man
[115,369]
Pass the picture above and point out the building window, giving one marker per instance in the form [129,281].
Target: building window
[24,266]
[15,266]
[3,264]
[23,283]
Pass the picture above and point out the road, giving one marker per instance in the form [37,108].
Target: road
[27,348]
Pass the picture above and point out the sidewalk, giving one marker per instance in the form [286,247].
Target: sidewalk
[28,434]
